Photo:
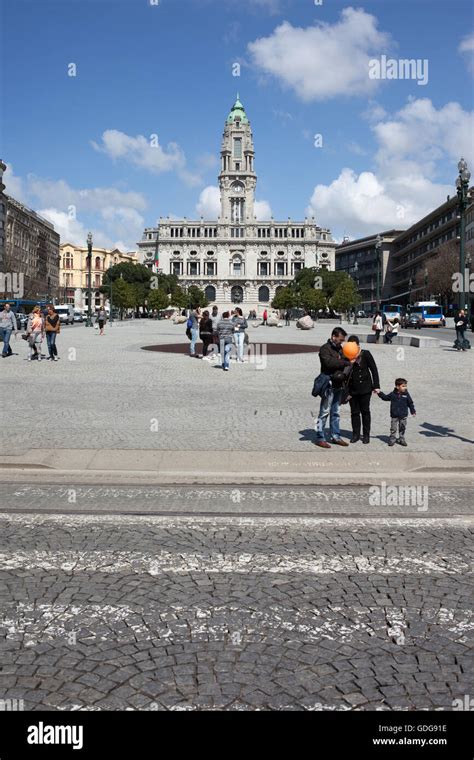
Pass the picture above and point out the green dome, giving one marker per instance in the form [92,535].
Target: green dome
[237,112]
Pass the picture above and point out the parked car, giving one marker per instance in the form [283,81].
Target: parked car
[413,322]
[361,314]
[78,316]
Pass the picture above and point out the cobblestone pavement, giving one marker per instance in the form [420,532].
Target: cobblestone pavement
[106,392]
[113,612]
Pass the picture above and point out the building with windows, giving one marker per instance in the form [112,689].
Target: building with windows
[361,259]
[31,250]
[3,217]
[237,259]
[74,273]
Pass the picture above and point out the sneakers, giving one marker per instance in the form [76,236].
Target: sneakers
[391,442]
[226,369]
[402,442]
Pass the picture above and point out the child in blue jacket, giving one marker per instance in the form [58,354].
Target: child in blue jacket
[400,403]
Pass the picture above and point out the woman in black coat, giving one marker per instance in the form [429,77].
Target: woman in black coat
[363,381]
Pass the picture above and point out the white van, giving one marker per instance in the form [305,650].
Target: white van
[66,313]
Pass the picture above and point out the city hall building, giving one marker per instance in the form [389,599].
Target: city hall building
[237,259]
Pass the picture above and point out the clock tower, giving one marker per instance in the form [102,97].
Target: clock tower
[237,180]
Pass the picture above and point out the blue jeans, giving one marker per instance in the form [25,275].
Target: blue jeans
[7,332]
[194,337]
[329,408]
[51,340]
[226,349]
[239,340]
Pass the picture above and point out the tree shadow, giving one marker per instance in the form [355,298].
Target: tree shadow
[438,431]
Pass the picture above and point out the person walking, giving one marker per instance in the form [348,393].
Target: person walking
[35,333]
[287,318]
[206,334]
[265,317]
[193,322]
[52,326]
[215,321]
[337,367]
[400,403]
[240,326]
[101,319]
[461,323]
[377,325]
[225,331]
[364,380]
[8,324]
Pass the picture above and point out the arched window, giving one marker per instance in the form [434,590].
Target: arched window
[210,293]
[264,294]
[97,262]
[237,294]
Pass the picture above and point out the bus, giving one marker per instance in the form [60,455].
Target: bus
[430,313]
[392,310]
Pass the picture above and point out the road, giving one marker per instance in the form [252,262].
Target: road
[187,606]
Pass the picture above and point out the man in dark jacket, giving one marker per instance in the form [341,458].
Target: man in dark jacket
[461,323]
[333,364]
[363,381]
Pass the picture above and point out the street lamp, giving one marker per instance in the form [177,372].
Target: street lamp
[378,246]
[426,282]
[89,280]
[355,270]
[110,298]
[410,286]
[462,187]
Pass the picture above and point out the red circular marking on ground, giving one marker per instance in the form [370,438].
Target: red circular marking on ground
[270,348]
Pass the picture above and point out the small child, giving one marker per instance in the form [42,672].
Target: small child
[400,403]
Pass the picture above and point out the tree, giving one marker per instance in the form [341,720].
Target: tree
[312,299]
[131,273]
[158,299]
[440,269]
[122,295]
[196,297]
[284,299]
[179,298]
[345,296]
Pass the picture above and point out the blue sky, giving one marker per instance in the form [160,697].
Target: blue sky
[78,147]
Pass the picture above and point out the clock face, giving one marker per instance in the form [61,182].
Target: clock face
[237,188]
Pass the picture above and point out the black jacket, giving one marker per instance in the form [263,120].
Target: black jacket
[464,321]
[365,376]
[400,403]
[205,327]
[332,359]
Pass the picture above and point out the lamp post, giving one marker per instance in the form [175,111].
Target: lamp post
[355,270]
[462,187]
[410,285]
[378,246]
[89,280]
[111,290]
[426,282]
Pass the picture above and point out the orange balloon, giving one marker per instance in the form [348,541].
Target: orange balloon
[351,350]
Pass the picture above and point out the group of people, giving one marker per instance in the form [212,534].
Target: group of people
[355,380]
[38,327]
[219,334]
[389,327]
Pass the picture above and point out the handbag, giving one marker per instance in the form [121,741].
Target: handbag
[24,336]
[374,328]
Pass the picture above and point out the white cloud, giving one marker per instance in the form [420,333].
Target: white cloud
[263,211]
[404,186]
[146,153]
[112,215]
[466,48]
[325,60]
[209,203]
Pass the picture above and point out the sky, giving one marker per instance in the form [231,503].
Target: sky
[115,109]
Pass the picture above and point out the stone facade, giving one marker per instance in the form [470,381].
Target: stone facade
[74,273]
[3,217]
[32,250]
[237,258]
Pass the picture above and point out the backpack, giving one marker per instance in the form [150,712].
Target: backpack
[189,324]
